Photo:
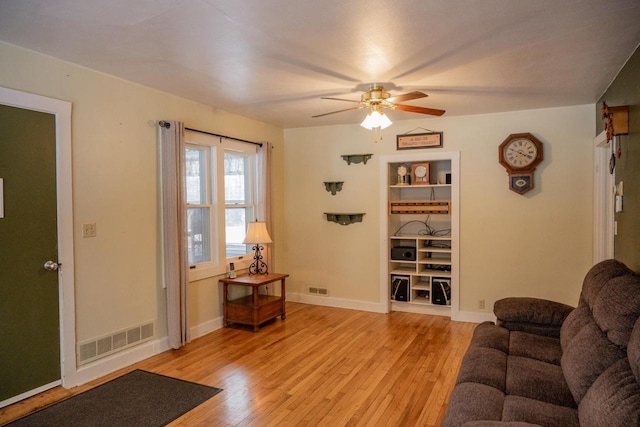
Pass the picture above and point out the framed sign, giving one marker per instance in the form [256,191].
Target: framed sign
[419,140]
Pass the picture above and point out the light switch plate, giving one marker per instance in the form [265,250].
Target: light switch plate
[618,203]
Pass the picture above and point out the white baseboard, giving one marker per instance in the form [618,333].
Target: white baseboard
[461,316]
[206,327]
[337,302]
[474,317]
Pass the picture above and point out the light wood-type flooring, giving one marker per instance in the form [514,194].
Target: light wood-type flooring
[320,367]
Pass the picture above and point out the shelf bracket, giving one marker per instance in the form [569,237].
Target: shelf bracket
[356,158]
[344,218]
[333,186]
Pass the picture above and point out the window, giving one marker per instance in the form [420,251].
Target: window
[199,208]
[238,200]
[220,187]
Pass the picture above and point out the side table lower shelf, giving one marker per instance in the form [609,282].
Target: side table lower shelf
[256,308]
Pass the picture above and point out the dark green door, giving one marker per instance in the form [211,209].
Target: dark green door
[29,298]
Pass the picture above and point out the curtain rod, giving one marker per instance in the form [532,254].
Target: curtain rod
[167,125]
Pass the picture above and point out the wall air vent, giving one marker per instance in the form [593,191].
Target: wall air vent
[94,349]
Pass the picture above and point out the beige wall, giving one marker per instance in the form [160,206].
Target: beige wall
[539,244]
[115,185]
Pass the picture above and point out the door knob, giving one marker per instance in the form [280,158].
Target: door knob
[51,266]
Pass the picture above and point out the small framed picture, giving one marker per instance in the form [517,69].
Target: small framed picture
[419,140]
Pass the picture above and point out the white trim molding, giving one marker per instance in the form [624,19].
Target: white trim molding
[337,302]
[603,199]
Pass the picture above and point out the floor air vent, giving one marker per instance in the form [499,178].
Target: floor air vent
[89,351]
[319,291]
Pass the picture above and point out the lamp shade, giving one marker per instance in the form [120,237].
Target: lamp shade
[257,233]
[375,119]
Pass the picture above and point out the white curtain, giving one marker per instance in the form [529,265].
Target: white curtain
[265,193]
[174,231]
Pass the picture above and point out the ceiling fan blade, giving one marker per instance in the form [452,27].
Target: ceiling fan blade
[339,111]
[407,96]
[340,99]
[422,110]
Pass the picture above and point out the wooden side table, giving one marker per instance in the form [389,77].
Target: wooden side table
[256,308]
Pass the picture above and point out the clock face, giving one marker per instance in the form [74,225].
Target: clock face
[520,153]
[402,170]
[420,173]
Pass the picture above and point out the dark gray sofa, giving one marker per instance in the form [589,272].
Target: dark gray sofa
[548,364]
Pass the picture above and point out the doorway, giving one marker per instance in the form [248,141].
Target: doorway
[60,112]
[603,199]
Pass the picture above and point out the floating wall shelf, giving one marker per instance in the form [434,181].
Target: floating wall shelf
[333,186]
[344,218]
[356,158]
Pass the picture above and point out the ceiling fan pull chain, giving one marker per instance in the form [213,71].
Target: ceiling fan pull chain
[377,134]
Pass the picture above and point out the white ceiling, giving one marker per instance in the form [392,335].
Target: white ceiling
[272,60]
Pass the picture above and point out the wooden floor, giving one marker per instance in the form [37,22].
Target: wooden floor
[320,366]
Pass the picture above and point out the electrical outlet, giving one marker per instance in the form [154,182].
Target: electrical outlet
[88,230]
[481,304]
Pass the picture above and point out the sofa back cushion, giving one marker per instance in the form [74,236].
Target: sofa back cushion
[614,398]
[595,335]
[598,277]
[588,355]
[633,351]
[617,308]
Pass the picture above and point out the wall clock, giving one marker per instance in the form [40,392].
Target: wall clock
[419,173]
[520,154]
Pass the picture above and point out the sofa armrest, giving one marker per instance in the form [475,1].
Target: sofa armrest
[534,315]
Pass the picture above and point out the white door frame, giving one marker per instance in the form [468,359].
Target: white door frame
[62,112]
[603,199]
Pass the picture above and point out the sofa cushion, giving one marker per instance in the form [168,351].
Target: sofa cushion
[545,349]
[471,401]
[612,400]
[633,351]
[587,356]
[617,308]
[598,276]
[518,408]
[537,380]
[486,366]
[578,319]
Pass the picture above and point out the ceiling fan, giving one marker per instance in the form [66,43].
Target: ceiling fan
[376,99]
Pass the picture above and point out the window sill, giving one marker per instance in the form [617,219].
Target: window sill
[201,273]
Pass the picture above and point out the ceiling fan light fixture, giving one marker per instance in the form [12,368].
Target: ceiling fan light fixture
[376,119]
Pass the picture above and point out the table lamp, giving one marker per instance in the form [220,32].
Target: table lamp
[257,234]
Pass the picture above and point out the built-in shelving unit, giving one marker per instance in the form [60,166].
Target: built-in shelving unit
[420,256]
